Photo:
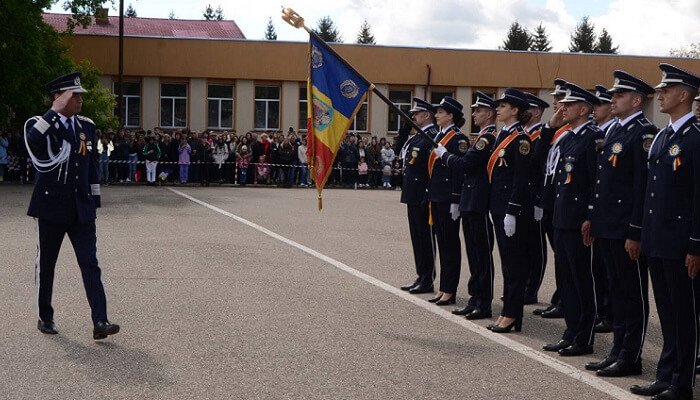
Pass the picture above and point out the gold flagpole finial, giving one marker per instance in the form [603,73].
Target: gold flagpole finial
[292,18]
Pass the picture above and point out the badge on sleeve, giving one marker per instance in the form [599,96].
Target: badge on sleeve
[481,143]
[463,146]
[524,147]
[648,140]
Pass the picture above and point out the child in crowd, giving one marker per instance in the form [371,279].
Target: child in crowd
[184,151]
[362,170]
[396,174]
[262,171]
[243,162]
[386,176]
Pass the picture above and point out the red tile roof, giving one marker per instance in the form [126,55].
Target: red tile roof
[181,28]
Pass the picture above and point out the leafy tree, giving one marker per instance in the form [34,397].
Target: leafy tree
[327,31]
[219,13]
[540,40]
[690,51]
[365,35]
[270,33]
[81,11]
[583,38]
[518,38]
[98,102]
[130,12]
[605,44]
[172,15]
[209,13]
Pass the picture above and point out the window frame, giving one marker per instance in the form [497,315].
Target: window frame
[173,99]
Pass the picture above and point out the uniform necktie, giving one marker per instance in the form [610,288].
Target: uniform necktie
[71,131]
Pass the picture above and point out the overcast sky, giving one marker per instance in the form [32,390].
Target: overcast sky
[640,27]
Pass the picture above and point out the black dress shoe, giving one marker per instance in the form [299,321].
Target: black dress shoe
[464,311]
[576,349]
[674,393]
[621,368]
[435,299]
[48,328]
[446,302]
[604,326]
[517,324]
[562,344]
[555,312]
[104,329]
[421,289]
[598,365]
[479,313]
[539,311]
[409,286]
[651,389]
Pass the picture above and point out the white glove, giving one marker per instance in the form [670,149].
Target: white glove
[454,210]
[509,225]
[440,150]
[538,214]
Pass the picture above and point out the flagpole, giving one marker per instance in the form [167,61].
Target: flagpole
[295,20]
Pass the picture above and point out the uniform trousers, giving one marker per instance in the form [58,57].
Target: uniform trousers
[422,241]
[536,256]
[478,240]
[575,273]
[513,254]
[83,238]
[674,293]
[549,232]
[629,300]
[449,246]
[602,287]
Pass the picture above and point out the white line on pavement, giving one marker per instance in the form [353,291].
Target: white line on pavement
[539,356]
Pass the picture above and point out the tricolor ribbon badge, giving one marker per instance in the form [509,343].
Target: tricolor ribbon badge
[414,155]
[675,151]
[83,147]
[502,161]
[569,168]
[616,149]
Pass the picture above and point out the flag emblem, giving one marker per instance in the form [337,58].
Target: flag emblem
[349,89]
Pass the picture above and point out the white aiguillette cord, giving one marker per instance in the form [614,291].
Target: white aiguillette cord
[53,161]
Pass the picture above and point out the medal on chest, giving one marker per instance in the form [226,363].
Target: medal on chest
[675,151]
[414,155]
[501,160]
[83,145]
[569,169]
[616,149]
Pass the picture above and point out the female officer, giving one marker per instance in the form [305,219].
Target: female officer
[508,171]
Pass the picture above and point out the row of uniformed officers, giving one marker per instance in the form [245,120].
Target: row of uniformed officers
[600,182]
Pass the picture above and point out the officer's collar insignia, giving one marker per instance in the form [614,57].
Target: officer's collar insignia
[686,130]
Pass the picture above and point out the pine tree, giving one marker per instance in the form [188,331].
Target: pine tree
[209,13]
[605,44]
[583,38]
[270,33]
[219,13]
[518,38]
[540,40]
[327,31]
[365,36]
[130,12]
[172,15]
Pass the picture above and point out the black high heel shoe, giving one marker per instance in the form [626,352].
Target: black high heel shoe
[435,299]
[449,301]
[517,324]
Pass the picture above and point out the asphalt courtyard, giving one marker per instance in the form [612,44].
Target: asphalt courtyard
[251,293]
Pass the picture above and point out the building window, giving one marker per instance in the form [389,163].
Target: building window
[220,103]
[131,103]
[267,107]
[359,123]
[436,96]
[402,100]
[173,105]
[303,104]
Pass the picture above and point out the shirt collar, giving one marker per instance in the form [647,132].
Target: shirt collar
[64,120]
[427,126]
[534,127]
[443,130]
[580,127]
[630,118]
[509,127]
[676,126]
[604,126]
[487,127]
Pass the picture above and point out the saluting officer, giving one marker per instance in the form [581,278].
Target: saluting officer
[575,177]
[544,157]
[444,192]
[615,216]
[63,148]
[537,240]
[414,193]
[508,170]
[474,208]
[671,234]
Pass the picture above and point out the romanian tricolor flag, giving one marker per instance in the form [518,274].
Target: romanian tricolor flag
[335,93]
